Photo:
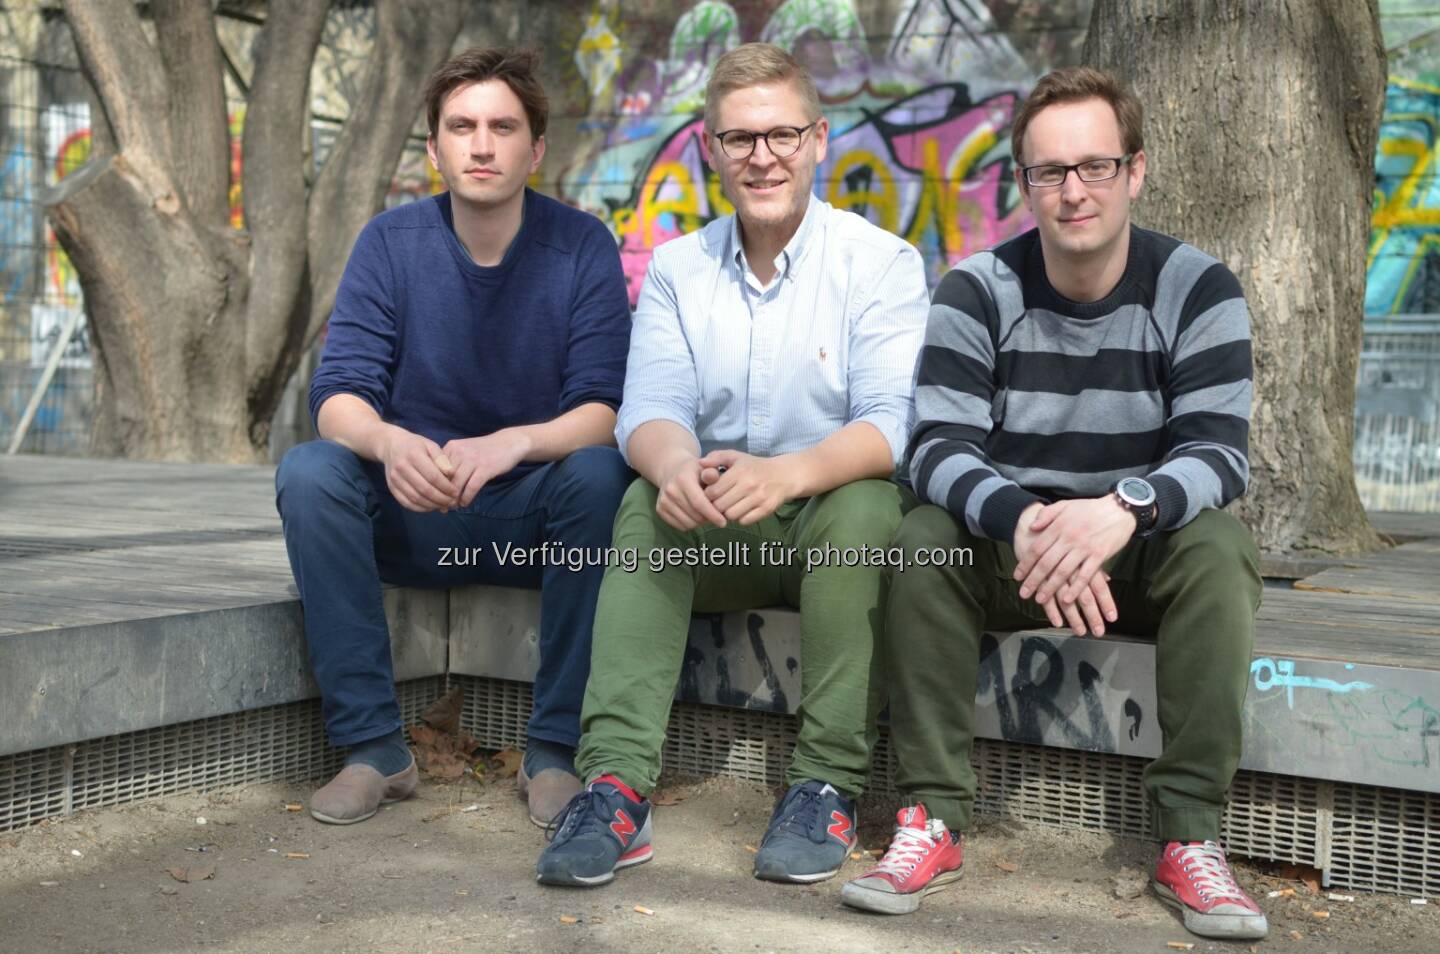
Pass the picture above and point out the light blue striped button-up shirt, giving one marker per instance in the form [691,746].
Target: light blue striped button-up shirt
[773,370]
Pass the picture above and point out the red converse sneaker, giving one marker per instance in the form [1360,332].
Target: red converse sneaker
[921,858]
[1194,877]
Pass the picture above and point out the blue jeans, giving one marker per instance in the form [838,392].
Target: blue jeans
[346,534]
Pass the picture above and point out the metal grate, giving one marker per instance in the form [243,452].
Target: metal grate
[1386,839]
[276,742]
[1361,836]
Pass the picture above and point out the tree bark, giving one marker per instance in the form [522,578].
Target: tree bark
[1260,139]
[197,326]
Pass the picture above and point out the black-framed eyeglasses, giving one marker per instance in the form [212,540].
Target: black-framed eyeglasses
[782,141]
[1091,170]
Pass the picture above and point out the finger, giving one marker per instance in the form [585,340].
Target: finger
[404,492]
[1052,612]
[1073,617]
[423,487]
[1103,599]
[736,493]
[677,506]
[709,475]
[1042,570]
[1080,579]
[699,503]
[1091,612]
[1045,517]
[743,506]
[674,516]
[461,478]
[1060,576]
[473,484]
[721,458]
[764,509]
[1038,548]
[427,470]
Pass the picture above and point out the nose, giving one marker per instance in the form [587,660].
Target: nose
[482,142]
[1072,190]
[757,159]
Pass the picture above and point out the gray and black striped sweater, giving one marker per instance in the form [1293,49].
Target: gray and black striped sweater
[1024,395]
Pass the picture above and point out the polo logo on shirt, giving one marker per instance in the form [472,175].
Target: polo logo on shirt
[822,355]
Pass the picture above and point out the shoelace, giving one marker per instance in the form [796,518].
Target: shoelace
[907,849]
[1205,866]
[803,816]
[587,810]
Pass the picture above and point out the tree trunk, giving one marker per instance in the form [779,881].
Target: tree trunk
[196,325]
[1260,138]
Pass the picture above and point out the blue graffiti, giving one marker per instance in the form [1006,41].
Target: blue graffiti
[1280,673]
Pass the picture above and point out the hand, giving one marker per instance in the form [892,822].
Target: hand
[417,471]
[478,460]
[682,502]
[1061,548]
[750,488]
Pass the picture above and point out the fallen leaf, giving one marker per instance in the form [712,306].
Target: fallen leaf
[641,909]
[1009,866]
[506,762]
[567,919]
[297,855]
[294,807]
[190,875]
[668,798]
[443,715]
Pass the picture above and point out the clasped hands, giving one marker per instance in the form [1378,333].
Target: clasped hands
[1061,548]
[424,477]
[725,486]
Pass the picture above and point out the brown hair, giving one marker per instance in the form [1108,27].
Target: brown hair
[755,64]
[1075,85]
[515,68]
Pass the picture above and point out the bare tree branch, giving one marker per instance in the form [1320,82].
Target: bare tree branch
[411,38]
[191,54]
[122,66]
[274,175]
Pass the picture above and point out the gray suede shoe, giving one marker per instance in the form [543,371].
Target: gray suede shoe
[548,792]
[358,791]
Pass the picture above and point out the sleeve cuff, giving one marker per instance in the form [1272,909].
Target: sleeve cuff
[630,421]
[1171,501]
[1001,512]
[894,434]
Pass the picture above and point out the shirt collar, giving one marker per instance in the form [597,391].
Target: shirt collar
[794,251]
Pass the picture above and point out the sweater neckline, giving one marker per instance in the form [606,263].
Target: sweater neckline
[1052,300]
[512,254]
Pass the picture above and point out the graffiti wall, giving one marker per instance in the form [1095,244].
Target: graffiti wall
[919,95]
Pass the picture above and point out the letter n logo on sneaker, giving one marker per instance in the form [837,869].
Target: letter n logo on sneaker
[840,826]
[622,826]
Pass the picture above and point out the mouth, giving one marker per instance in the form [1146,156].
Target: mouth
[764,186]
[1078,220]
[482,173]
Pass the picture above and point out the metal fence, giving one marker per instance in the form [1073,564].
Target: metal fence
[44,135]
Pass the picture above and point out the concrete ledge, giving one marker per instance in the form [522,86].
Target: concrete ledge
[59,686]
[1312,718]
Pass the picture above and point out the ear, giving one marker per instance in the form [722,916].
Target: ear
[822,139]
[537,152]
[707,150]
[430,151]
[1024,186]
[1137,174]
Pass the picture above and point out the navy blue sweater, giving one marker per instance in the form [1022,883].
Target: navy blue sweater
[446,348]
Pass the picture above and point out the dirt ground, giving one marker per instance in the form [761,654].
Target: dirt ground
[436,874]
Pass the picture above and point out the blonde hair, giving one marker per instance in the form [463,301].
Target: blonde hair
[757,64]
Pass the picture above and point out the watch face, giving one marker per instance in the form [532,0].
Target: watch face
[1136,491]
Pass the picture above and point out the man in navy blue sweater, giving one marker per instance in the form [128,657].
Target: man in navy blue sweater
[466,403]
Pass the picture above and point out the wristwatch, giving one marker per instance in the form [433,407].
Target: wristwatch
[1137,496]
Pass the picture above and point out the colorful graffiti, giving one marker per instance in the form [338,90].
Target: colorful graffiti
[912,149]
[1403,265]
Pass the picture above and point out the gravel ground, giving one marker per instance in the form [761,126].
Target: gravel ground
[429,875]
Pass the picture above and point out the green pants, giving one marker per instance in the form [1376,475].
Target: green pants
[643,617]
[1195,591]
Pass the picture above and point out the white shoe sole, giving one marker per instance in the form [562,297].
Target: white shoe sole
[1229,927]
[889,902]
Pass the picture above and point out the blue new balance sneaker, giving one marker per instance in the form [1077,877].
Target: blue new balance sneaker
[810,833]
[603,829]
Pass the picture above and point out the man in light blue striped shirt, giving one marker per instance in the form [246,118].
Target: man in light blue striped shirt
[767,400]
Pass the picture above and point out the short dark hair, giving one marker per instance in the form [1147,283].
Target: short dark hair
[515,68]
[1075,85]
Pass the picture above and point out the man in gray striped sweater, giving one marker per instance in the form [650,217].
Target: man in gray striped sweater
[1083,403]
